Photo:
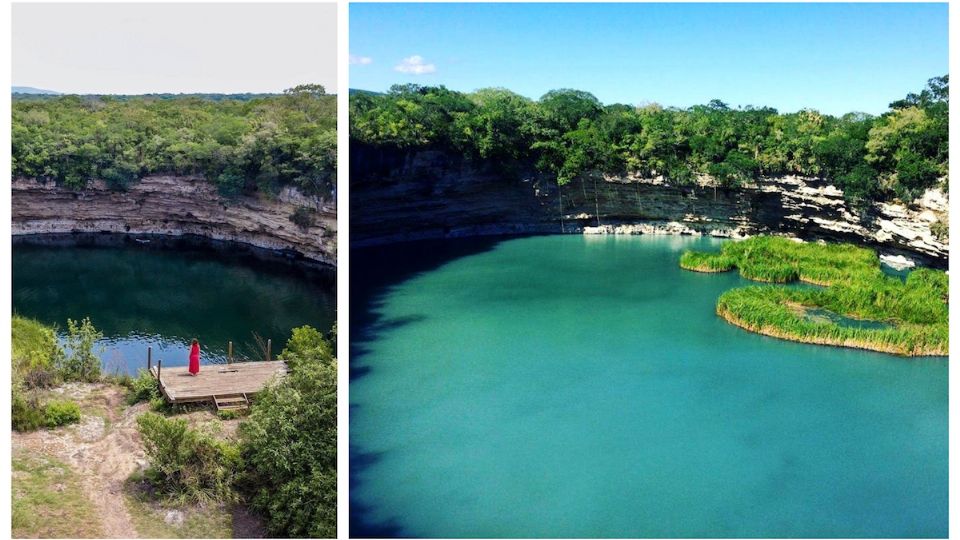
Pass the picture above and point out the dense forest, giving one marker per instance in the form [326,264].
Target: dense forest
[569,133]
[242,143]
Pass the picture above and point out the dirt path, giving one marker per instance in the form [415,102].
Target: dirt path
[104,451]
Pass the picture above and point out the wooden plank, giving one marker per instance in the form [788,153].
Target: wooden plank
[178,386]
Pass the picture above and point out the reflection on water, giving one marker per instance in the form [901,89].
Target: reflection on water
[141,296]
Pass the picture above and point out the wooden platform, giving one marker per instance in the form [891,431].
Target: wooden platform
[217,381]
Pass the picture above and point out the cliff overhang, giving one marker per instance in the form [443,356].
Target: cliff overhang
[430,194]
[179,206]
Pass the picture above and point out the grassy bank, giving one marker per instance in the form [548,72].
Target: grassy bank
[48,501]
[866,309]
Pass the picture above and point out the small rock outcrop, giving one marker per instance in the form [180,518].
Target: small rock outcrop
[179,205]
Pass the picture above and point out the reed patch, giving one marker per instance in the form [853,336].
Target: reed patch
[907,317]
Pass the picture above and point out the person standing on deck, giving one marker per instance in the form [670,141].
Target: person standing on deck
[194,357]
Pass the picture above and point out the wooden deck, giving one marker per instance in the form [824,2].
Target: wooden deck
[217,380]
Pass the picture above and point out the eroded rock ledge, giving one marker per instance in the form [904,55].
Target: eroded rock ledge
[432,195]
[176,206]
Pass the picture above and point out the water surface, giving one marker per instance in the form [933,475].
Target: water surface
[582,386]
[145,295]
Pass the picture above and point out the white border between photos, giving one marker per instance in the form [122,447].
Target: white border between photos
[343,209]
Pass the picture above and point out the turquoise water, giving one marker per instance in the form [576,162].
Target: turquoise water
[143,296]
[576,386]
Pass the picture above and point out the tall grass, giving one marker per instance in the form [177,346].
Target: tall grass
[915,311]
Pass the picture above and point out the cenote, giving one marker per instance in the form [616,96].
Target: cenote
[162,292]
[568,386]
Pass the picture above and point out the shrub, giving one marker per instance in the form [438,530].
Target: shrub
[232,414]
[940,229]
[187,466]
[306,344]
[36,353]
[289,443]
[82,364]
[303,217]
[27,413]
[143,387]
[61,413]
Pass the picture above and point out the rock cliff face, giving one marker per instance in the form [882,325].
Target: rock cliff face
[433,195]
[176,206]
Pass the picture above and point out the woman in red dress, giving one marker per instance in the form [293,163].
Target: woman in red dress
[195,357]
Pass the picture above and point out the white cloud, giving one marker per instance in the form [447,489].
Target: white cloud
[360,60]
[414,66]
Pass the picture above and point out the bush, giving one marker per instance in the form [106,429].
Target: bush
[232,414]
[82,364]
[143,387]
[303,217]
[36,353]
[61,413]
[289,443]
[187,466]
[306,344]
[940,229]
[27,413]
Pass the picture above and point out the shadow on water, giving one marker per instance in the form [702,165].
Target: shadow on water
[374,272]
[360,524]
[148,290]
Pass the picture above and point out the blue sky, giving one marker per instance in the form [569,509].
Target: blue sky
[835,58]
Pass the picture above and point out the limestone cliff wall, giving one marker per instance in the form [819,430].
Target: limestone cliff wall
[434,195]
[175,206]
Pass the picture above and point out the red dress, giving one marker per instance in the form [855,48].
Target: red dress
[195,358]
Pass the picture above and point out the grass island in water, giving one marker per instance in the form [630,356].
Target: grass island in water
[857,305]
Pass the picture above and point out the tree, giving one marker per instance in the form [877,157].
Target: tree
[289,443]
[569,134]
[565,108]
[315,90]
[82,363]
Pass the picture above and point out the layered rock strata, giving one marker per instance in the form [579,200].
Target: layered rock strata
[178,206]
[433,195]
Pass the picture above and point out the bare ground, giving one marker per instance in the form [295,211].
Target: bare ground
[103,457]
[105,449]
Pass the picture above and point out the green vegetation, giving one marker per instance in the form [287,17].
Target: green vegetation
[209,521]
[242,145]
[27,412]
[304,217]
[36,353]
[83,362]
[186,465]
[143,387]
[285,464]
[48,501]
[913,313]
[39,363]
[61,413]
[569,134]
[289,443]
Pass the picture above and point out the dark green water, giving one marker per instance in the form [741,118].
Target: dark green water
[141,296]
[575,386]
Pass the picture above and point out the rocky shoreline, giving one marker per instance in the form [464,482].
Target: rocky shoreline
[179,206]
